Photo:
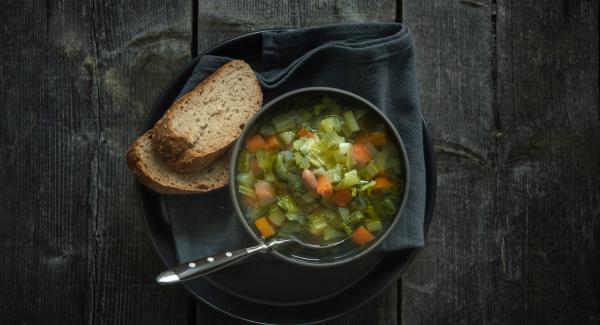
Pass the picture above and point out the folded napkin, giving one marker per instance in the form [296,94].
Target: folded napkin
[373,60]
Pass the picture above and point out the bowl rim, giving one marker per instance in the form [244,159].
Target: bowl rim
[250,125]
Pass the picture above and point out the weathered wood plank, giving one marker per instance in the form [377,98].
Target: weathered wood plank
[513,236]
[548,197]
[139,46]
[219,20]
[448,281]
[46,194]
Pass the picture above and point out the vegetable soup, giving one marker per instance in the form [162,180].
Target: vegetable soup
[320,168]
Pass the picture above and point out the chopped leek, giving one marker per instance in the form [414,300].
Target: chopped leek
[330,233]
[345,228]
[267,130]
[370,170]
[287,203]
[350,179]
[316,223]
[289,228]
[276,216]
[265,160]
[247,191]
[244,162]
[355,217]
[246,179]
[373,225]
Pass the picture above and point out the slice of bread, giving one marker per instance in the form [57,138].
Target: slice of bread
[202,124]
[154,173]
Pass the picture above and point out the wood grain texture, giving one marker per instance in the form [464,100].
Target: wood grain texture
[139,46]
[510,91]
[76,79]
[47,140]
[220,20]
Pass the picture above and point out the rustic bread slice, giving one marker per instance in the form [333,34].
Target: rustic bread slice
[154,173]
[199,126]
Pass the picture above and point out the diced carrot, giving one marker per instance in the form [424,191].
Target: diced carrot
[264,192]
[255,143]
[382,182]
[254,166]
[342,197]
[265,228]
[324,187]
[360,154]
[272,144]
[303,132]
[376,138]
[362,236]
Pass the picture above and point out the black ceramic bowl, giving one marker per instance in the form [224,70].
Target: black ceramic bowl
[323,257]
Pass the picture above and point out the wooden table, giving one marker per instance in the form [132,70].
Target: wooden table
[509,89]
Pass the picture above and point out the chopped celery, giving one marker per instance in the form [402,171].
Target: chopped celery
[330,233]
[345,228]
[373,225]
[351,121]
[301,161]
[265,160]
[282,164]
[355,217]
[267,130]
[330,124]
[381,159]
[276,216]
[284,123]
[370,170]
[316,223]
[345,147]
[315,161]
[289,228]
[244,162]
[246,179]
[287,137]
[287,203]
[247,191]
[350,179]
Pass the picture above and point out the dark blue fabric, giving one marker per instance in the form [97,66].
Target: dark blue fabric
[373,60]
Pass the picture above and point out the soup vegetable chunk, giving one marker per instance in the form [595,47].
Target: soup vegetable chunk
[322,169]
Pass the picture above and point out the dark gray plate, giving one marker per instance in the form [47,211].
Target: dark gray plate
[247,290]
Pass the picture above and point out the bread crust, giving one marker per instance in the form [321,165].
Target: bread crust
[176,148]
[138,164]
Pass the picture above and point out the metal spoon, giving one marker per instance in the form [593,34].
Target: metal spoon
[204,266]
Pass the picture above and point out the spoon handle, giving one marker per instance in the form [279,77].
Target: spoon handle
[204,266]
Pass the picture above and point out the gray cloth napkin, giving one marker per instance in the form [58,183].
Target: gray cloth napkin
[373,60]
